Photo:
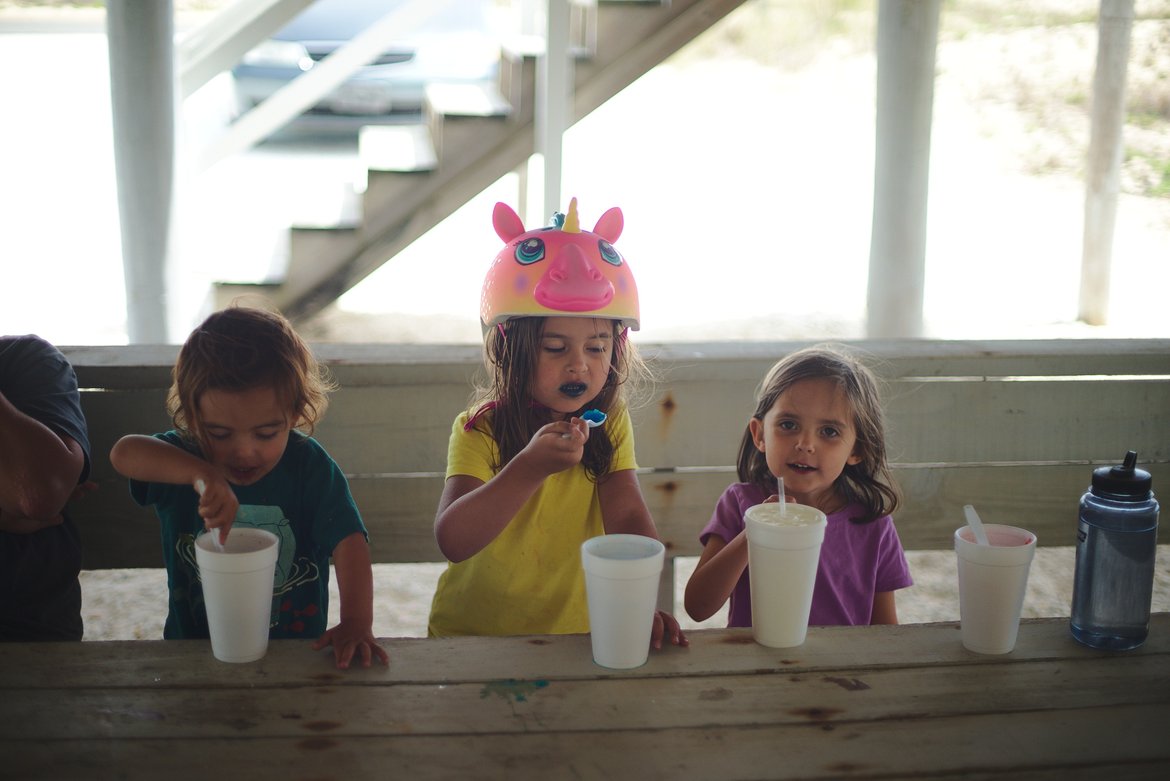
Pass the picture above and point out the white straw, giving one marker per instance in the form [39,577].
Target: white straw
[780,488]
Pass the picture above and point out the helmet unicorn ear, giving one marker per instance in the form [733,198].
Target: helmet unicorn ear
[609,227]
[506,222]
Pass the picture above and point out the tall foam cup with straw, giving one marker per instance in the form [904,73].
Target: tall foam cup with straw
[784,550]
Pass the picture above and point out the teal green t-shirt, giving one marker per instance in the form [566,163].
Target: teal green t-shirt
[305,501]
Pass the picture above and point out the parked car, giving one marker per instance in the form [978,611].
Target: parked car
[456,43]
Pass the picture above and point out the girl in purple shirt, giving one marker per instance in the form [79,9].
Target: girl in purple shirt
[817,424]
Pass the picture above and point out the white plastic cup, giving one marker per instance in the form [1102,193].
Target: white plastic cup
[237,590]
[992,582]
[621,585]
[784,550]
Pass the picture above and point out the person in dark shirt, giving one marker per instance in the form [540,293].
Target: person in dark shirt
[44,458]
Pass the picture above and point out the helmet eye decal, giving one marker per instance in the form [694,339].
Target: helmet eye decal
[530,251]
[608,253]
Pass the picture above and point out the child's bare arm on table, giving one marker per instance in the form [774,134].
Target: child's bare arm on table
[719,568]
[354,634]
[624,511]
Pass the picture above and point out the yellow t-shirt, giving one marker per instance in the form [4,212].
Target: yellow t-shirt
[528,580]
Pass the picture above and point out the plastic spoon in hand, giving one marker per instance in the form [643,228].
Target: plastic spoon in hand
[200,487]
[592,417]
[976,525]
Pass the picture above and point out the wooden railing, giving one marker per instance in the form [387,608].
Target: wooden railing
[1014,428]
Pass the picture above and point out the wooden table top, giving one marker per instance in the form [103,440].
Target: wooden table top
[852,702]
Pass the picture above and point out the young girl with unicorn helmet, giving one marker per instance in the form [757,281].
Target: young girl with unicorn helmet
[527,479]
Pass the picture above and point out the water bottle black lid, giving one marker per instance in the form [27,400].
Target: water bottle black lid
[1124,481]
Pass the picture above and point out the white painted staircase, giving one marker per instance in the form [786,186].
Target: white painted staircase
[469,137]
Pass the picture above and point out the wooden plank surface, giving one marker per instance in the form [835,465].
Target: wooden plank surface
[1083,745]
[827,697]
[290,663]
[857,702]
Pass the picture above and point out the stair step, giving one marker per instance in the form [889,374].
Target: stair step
[399,148]
[412,177]
[339,206]
[467,100]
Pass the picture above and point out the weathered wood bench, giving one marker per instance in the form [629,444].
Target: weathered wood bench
[1013,427]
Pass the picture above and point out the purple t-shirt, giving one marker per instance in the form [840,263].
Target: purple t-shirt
[857,561]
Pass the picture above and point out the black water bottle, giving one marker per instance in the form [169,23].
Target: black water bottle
[1117,543]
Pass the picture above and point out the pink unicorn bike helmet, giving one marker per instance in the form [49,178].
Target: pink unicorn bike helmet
[558,271]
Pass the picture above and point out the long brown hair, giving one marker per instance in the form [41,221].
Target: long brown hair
[241,348]
[511,352]
[869,482]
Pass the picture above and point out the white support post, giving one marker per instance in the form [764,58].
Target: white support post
[142,101]
[1103,177]
[530,25]
[554,103]
[906,41]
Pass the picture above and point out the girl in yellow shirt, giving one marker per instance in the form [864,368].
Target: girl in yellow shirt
[527,480]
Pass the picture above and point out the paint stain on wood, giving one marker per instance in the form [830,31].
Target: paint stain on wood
[321,726]
[511,689]
[716,695]
[539,641]
[849,684]
[668,487]
[242,725]
[815,714]
[744,639]
[839,768]
[669,407]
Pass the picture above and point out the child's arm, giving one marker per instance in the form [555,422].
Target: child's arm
[151,460]
[720,567]
[885,609]
[38,471]
[472,513]
[354,634]
[623,508]
[624,511]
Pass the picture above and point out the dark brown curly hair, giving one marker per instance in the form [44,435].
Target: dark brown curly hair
[241,348]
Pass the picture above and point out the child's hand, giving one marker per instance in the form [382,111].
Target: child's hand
[217,504]
[559,445]
[666,625]
[349,640]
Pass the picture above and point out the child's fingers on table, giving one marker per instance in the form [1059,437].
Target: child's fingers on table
[657,631]
[673,629]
